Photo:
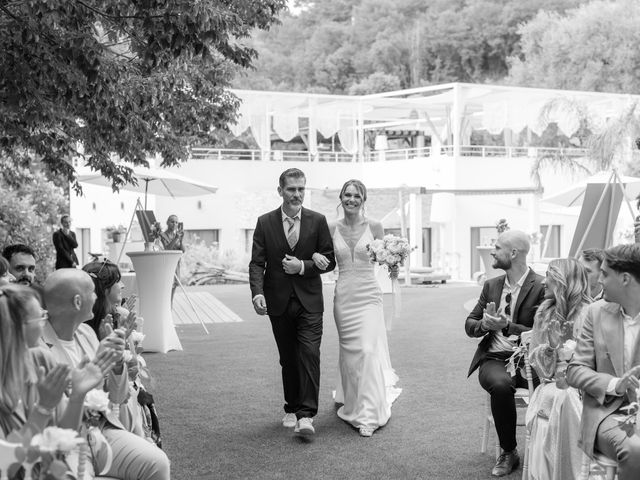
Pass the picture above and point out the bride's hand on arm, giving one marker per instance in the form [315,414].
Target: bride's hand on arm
[320,261]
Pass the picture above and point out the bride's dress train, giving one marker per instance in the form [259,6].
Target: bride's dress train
[366,380]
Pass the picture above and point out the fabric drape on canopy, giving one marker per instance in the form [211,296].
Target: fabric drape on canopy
[286,126]
[348,135]
[243,122]
[261,131]
[327,125]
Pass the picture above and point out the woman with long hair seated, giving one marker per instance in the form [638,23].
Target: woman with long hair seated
[553,415]
[32,387]
[108,309]
[108,288]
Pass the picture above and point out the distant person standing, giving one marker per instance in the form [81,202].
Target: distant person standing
[171,239]
[65,242]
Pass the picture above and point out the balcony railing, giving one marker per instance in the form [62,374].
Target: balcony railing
[481,151]
[203,153]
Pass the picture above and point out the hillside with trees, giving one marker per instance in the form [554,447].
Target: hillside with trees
[365,46]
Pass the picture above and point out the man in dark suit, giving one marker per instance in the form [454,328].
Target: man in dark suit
[285,284]
[65,242]
[505,309]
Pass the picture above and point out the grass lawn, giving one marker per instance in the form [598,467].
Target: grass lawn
[220,400]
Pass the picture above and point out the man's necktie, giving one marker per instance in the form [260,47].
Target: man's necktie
[292,235]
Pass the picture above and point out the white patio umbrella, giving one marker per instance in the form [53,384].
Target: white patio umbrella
[574,195]
[157,182]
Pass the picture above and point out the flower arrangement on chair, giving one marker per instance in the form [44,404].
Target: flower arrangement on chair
[43,456]
[96,406]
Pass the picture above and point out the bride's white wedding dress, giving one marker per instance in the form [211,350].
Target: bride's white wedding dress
[366,379]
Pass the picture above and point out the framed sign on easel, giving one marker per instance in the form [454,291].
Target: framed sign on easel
[149,226]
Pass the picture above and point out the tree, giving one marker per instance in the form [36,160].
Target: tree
[334,44]
[375,83]
[98,78]
[593,47]
[30,208]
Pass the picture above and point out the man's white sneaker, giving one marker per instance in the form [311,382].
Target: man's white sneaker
[289,420]
[305,426]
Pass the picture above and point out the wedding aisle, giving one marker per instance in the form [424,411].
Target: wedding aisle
[220,400]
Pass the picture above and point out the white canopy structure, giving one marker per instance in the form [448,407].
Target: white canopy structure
[447,113]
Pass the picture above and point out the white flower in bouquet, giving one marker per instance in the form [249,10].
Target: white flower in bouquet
[390,250]
[127,356]
[97,400]
[56,439]
[137,337]
[566,351]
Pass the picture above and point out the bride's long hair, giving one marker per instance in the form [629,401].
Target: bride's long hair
[359,186]
[570,295]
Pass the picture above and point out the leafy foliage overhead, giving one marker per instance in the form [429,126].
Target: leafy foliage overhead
[331,45]
[30,209]
[594,47]
[129,78]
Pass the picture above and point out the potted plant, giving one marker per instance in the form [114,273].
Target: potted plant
[114,233]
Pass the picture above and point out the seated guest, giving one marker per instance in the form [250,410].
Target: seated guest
[592,259]
[606,363]
[504,311]
[106,278]
[32,386]
[107,309]
[69,295]
[551,420]
[5,275]
[22,262]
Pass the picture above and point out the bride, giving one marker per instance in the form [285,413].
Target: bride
[366,379]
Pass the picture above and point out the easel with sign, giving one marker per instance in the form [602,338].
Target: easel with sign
[147,219]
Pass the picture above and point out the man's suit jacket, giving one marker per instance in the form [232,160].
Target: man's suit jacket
[65,244]
[530,297]
[598,358]
[266,275]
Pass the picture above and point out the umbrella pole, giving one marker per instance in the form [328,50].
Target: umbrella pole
[146,187]
[190,303]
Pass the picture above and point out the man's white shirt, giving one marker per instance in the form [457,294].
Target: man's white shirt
[500,343]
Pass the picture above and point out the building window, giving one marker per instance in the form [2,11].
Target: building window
[208,237]
[550,246]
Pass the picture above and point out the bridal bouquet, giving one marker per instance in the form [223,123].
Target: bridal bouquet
[391,251]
